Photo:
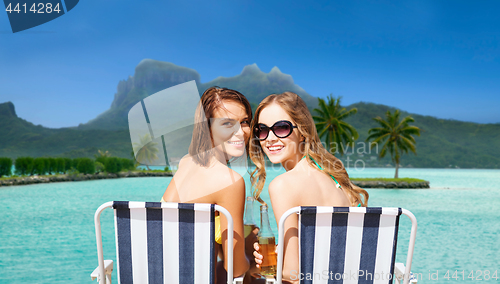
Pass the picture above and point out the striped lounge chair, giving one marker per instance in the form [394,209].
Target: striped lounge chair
[348,245]
[162,243]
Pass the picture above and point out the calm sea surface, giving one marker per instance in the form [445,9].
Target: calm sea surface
[47,230]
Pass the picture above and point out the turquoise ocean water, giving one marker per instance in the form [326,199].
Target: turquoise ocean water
[47,230]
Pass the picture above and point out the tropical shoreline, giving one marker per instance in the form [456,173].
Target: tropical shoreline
[372,183]
[78,177]
[381,183]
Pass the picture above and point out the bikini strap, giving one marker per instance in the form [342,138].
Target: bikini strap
[338,184]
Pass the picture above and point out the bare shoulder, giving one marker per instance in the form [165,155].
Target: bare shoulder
[226,180]
[284,194]
[196,183]
[225,173]
[293,184]
[215,175]
[236,186]
[186,160]
[284,185]
[278,184]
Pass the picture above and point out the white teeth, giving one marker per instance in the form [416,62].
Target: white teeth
[274,148]
[235,143]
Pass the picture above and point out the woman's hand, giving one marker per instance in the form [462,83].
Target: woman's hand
[258,257]
[254,271]
[249,241]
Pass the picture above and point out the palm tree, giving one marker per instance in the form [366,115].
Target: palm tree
[146,151]
[331,125]
[395,136]
[102,154]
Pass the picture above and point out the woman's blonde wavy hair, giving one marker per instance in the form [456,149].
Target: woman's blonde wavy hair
[311,147]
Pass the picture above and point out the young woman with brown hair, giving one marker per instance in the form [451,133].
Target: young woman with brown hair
[221,133]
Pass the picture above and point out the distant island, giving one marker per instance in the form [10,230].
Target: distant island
[443,143]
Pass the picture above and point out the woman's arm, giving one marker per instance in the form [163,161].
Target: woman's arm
[233,199]
[283,198]
[171,194]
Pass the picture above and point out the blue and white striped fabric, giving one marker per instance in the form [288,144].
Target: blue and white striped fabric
[161,243]
[347,244]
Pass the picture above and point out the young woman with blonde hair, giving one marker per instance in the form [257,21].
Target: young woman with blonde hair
[284,130]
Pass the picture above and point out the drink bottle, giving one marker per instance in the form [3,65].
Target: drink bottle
[248,221]
[267,244]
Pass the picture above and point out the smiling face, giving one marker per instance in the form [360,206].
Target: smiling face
[280,150]
[230,129]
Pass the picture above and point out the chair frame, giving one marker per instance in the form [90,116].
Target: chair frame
[289,212]
[103,271]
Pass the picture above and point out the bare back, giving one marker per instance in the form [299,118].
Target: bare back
[194,183]
[304,185]
[216,184]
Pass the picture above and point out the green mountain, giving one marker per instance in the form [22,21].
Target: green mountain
[443,143]
[22,138]
[152,76]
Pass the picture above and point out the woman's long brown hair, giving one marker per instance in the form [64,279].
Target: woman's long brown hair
[201,148]
[312,148]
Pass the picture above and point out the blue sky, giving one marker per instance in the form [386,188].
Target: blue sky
[438,58]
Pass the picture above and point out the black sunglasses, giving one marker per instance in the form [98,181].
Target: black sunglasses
[281,129]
